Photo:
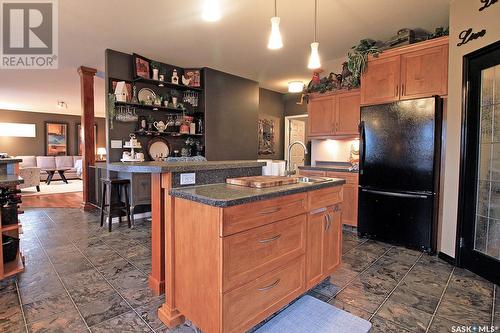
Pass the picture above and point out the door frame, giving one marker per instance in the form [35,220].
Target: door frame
[464,223]
[287,132]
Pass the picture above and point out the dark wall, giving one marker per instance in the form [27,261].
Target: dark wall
[36,146]
[231,116]
[291,106]
[272,107]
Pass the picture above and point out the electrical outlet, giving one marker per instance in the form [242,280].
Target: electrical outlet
[188,178]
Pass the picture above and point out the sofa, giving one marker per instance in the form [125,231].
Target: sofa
[71,163]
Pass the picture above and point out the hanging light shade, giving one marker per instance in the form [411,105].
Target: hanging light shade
[211,11]
[295,86]
[275,41]
[314,62]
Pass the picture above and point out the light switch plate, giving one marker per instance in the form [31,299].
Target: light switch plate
[188,178]
[116,144]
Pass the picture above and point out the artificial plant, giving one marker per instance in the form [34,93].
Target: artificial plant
[111,109]
[358,57]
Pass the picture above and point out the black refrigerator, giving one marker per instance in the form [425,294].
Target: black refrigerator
[399,172]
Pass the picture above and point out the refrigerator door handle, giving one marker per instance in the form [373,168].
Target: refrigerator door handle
[395,194]
[361,146]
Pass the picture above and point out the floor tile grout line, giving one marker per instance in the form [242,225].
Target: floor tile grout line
[440,299]
[397,285]
[59,277]
[124,258]
[21,305]
[114,288]
[355,247]
[364,270]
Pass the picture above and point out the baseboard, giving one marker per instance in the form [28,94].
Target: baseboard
[446,258]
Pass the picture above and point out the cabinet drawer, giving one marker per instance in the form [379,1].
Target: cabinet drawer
[325,197]
[312,173]
[244,217]
[253,302]
[350,178]
[248,255]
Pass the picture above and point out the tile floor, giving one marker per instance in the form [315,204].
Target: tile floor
[80,278]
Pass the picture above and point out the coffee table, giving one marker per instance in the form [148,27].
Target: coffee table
[51,173]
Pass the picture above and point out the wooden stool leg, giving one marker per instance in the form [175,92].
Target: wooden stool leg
[110,219]
[120,218]
[127,205]
[103,202]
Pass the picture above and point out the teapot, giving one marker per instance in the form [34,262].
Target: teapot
[160,126]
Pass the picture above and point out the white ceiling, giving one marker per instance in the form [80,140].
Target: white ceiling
[173,32]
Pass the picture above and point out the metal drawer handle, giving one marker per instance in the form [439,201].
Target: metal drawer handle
[268,240]
[271,286]
[271,211]
[327,220]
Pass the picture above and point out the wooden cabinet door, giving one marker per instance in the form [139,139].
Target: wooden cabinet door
[350,205]
[424,73]
[380,82]
[332,243]
[317,222]
[321,116]
[347,113]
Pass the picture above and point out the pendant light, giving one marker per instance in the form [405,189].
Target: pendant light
[275,41]
[211,11]
[314,62]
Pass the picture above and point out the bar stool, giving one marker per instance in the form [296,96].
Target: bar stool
[117,208]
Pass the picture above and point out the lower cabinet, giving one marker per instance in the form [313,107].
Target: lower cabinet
[236,266]
[324,243]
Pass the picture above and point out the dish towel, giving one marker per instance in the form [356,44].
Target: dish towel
[310,315]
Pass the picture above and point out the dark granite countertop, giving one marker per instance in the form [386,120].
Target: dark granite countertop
[10,160]
[326,168]
[160,167]
[225,195]
[10,180]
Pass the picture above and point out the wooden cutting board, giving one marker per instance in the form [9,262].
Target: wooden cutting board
[262,181]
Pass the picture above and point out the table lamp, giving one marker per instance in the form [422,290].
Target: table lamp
[101,151]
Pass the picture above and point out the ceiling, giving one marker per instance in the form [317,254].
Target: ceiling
[173,32]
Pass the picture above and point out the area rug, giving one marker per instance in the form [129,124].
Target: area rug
[310,315]
[55,187]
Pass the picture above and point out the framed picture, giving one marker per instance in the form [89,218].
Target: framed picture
[141,67]
[266,137]
[194,75]
[56,138]
[79,138]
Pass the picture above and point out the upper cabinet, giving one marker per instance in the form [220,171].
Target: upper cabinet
[413,71]
[335,114]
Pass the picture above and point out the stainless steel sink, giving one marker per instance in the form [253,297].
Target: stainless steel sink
[310,180]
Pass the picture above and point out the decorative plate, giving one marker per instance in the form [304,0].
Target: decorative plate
[158,147]
[146,95]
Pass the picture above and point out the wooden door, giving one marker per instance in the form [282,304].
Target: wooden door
[297,133]
[380,82]
[317,222]
[332,242]
[347,113]
[321,116]
[424,73]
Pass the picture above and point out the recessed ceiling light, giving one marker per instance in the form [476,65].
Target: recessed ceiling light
[211,11]
[62,105]
[295,86]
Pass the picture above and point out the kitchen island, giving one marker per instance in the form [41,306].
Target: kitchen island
[239,254]
[164,177]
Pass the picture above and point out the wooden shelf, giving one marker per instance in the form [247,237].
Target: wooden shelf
[13,267]
[158,108]
[10,227]
[165,84]
[164,134]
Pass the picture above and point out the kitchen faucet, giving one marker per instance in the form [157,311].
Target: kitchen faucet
[289,170]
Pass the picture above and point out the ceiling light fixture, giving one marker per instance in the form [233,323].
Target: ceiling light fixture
[211,11]
[62,104]
[295,86]
[275,41]
[314,62]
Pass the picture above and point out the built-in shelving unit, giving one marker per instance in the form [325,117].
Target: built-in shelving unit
[167,84]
